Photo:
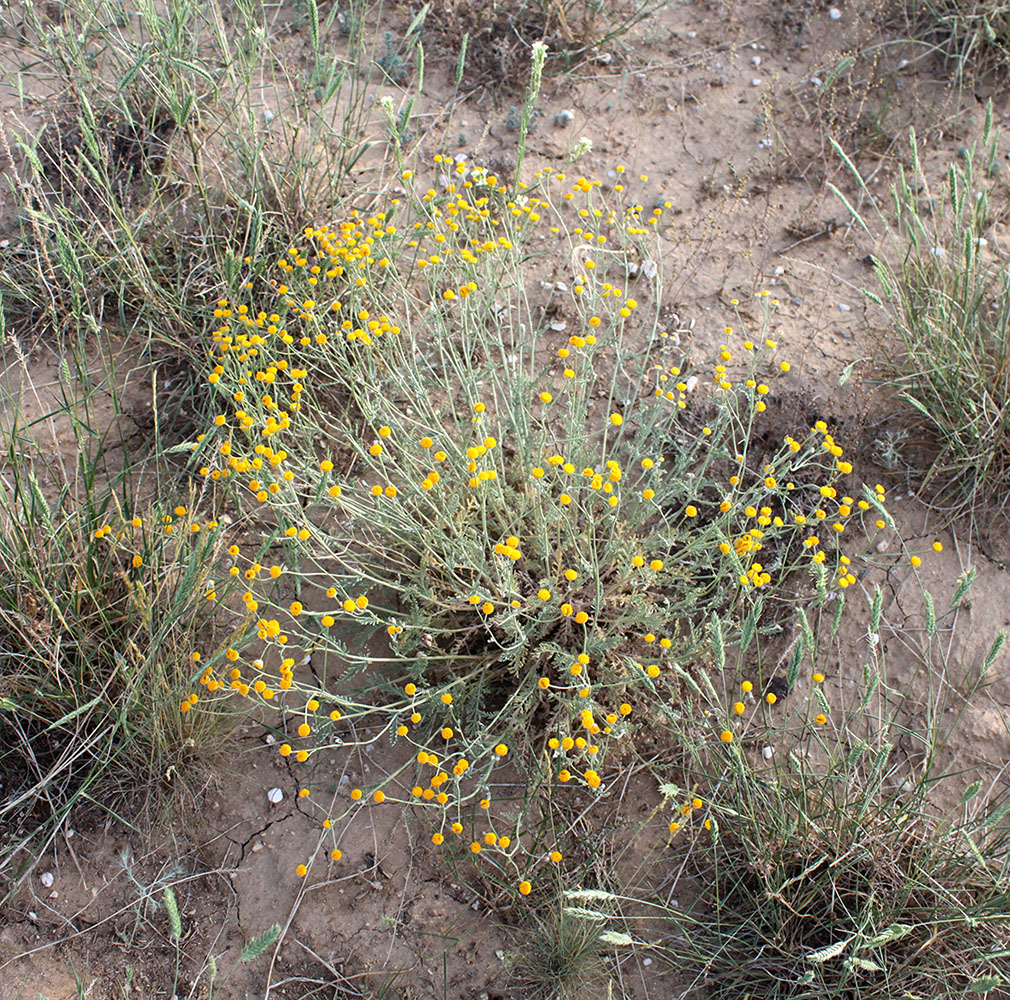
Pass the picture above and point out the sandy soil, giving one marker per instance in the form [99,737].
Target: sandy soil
[719,107]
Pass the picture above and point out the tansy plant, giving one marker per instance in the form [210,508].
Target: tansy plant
[510,508]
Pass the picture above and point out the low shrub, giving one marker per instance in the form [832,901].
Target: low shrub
[503,516]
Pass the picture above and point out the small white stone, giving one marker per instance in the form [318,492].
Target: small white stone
[755,82]
[692,34]
[275,795]
[767,752]
[816,81]
[844,307]
[835,14]
[650,269]
[646,961]
[269,739]
[881,546]
[47,879]
[756,61]
[902,64]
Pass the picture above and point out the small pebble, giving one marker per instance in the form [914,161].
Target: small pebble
[275,795]
[756,61]
[835,14]
[767,752]
[844,307]
[881,546]
[47,879]
[755,83]
[646,961]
